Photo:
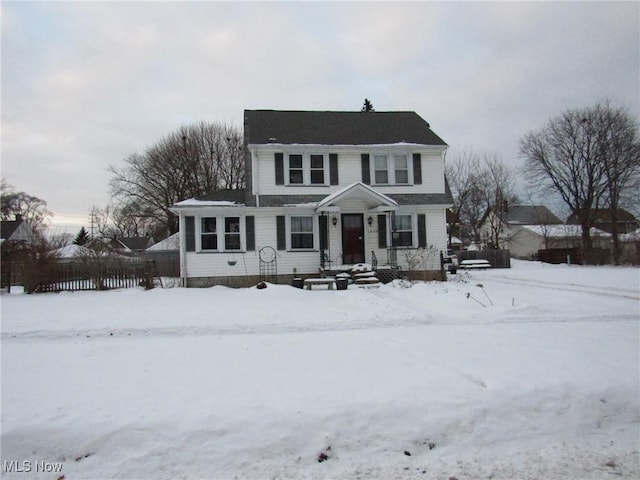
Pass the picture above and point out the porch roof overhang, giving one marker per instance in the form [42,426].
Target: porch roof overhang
[376,201]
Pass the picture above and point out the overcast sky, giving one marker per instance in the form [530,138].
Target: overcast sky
[84,85]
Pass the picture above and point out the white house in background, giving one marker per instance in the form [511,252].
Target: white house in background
[503,223]
[526,240]
[324,189]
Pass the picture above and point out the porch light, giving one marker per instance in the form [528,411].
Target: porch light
[370,221]
[334,220]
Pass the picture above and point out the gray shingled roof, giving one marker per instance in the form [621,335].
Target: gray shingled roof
[530,215]
[337,128]
[227,195]
[8,228]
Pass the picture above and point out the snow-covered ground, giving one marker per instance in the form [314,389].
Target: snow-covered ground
[527,373]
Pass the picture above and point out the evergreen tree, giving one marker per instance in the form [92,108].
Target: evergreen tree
[82,238]
[368,106]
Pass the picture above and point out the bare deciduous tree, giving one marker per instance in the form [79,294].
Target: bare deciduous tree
[461,174]
[621,156]
[478,185]
[191,162]
[498,187]
[579,155]
[32,209]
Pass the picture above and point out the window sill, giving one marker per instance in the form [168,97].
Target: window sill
[392,185]
[307,185]
[219,251]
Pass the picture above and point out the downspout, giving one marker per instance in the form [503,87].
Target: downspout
[183,251]
[254,176]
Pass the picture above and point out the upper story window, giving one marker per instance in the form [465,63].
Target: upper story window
[401,169]
[296,169]
[391,169]
[381,168]
[307,169]
[316,169]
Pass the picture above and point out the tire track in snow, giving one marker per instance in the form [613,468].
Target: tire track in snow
[269,329]
[628,294]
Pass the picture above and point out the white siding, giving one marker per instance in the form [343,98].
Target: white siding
[349,171]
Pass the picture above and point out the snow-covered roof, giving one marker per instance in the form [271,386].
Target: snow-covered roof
[194,202]
[631,236]
[74,251]
[563,231]
[360,191]
[169,243]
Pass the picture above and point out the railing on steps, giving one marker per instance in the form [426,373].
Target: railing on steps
[374,261]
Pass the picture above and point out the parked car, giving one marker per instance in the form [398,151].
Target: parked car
[450,262]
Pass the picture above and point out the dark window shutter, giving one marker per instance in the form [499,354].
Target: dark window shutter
[279,160]
[422,230]
[280,233]
[366,175]
[382,231]
[417,169]
[190,233]
[333,169]
[322,223]
[250,224]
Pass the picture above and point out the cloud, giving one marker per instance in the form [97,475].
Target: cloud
[84,85]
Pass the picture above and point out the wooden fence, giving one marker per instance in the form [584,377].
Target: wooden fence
[497,258]
[99,276]
[102,274]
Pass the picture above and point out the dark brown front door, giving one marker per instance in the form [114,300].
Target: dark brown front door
[352,238]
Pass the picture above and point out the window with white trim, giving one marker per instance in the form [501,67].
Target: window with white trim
[307,169]
[316,169]
[401,169]
[302,233]
[296,169]
[232,233]
[402,230]
[208,233]
[220,234]
[391,169]
[381,169]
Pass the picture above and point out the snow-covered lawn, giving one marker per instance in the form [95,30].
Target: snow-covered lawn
[527,373]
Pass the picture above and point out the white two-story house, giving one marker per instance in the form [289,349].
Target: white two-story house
[324,190]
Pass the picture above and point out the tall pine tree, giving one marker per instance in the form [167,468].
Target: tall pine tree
[82,238]
[367,106]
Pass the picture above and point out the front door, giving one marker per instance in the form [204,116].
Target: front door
[352,238]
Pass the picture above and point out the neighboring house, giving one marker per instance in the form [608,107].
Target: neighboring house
[526,240]
[324,189]
[166,255]
[130,245]
[507,222]
[17,230]
[73,254]
[169,244]
[630,247]
[625,221]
